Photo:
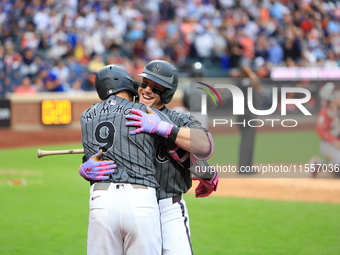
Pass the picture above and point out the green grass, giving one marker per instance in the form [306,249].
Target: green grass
[43,218]
[50,216]
[257,227]
[276,147]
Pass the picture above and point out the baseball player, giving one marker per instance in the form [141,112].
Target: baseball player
[159,83]
[174,180]
[124,214]
[328,128]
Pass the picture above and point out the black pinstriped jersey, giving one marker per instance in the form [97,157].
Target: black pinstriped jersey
[172,178]
[103,127]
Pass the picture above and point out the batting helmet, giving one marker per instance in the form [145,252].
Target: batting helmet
[112,79]
[164,74]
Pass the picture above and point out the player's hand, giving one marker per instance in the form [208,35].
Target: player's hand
[206,187]
[95,170]
[149,123]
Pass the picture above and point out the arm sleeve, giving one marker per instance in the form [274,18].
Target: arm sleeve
[193,123]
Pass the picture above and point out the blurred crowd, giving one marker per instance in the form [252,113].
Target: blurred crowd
[59,45]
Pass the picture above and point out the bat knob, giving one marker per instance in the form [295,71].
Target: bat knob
[39,153]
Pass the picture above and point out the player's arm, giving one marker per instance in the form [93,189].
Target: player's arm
[194,140]
[201,144]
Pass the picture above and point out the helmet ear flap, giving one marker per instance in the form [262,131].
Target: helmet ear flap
[166,96]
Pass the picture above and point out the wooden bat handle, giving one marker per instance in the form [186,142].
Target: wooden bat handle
[43,153]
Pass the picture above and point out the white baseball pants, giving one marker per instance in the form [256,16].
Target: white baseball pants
[175,227]
[124,220]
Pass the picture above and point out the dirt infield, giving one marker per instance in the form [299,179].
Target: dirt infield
[289,189]
[293,189]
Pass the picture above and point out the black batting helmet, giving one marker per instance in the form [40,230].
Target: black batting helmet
[164,74]
[112,79]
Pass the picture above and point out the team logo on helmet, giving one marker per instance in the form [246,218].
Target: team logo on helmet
[156,68]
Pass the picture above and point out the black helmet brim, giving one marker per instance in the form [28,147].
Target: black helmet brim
[156,79]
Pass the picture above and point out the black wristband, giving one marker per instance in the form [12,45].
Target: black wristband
[208,175]
[173,134]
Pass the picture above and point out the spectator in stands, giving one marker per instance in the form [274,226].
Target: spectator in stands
[291,51]
[44,44]
[275,52]
[2,70]
[12,62]
[153,48]
[41,19]
[261,47]
[28,66]
[57,50]
[139,48]
[220,44]
[38,83]
[204,43]
[76,70]
[89,83]
[235,58]
[56,29]
[137,32]
[247,43]
[53,83]
[167,10]
[96,63]
[7,86]
[26,87]
[62,72]
[30,38]
[330,60]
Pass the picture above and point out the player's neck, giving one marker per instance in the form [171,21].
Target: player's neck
[124,94]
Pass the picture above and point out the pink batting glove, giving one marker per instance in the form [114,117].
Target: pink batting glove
[206,187]
[95,170]
[149,123]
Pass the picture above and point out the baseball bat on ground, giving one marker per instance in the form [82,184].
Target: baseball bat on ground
[43,153]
